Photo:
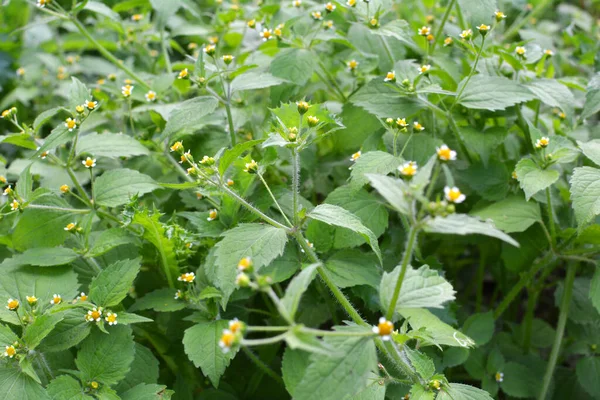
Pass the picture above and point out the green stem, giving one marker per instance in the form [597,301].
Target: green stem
[525,128]
[262,342]
[440,30]
[480,276]
[102,50]
[333,81]
[528,322]
[560,329]
[514,29]
[227,94]
[550,216]
[406,144]
[163,47]
[319,332]
[471,73]
[79,187]
[262,366]
[274,199]
[296,178]
[412,236]
[92,187]
[62,209]
[267,328]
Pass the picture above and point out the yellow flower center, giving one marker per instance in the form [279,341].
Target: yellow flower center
[356,156]
[31,299]
[13,304]
[64,188]
[454,194]
[95,314]
[94,385]
[266,34]
[89,162]
[177,146]
[56,300]
[245,263]
[71,123]
[227,339]
[10,351]
[385,328]
[444,153]
[235,326]
[409,169]
[111,317]
[212,214]
[390,75]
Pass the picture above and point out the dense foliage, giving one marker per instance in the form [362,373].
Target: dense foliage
[359,200]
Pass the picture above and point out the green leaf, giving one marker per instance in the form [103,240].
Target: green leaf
[418,392]
[110,145]
[109,239]
[112,284]
[106,358]
[230,155]
[349,268]
[263,243]
[461,391]
[553,93]
[293,367]
[492,92]
[7,336]
[59,135]
[592,98]
[45,117]
[295,290]
[189,116]
[462,224]
[115,187]
[144,369]
[14,385]
[255,80]
[423,365]
[440,332]
[365,206]
[375,390]
[490,182]
[45,257]
[102,9]
[395,191]
[39,329]
[25,183]
[588,370]
[517,381]
[595,289]
[478,12]
[162,300]
[585,194]
[383,101]
[421,287]
[165,10]
[78,94]
[563,150]
[298,340]
[337,216]
[145,391]
[532,178]
[591,150]
[204,227]
[19,139]
[295,65]
[343,374]
[372,162]
[513,214]
[65,387]
[481,144]
[201,344]
[128,318]
[69,332]
[480,327]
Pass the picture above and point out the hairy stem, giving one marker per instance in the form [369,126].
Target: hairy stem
[550,216]
[412,236]
[438,33]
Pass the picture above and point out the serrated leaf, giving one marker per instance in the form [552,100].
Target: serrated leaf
[102,9]
[162,300]
[293,64]
[595,289]
[372,162]
[298,340]
[144,369]
[204,227]
[532,178]
[109,239]
[513,214]
[420,288]
[106,358]
[115,187]
[393,190]
[69,332]
[65,387]
[263,243]
[59,136]
[480,327]
[592,98]
[462,224]
[423,365]
[478,11]
[381,100]
[345,373]
[14,385]
[588,370]
[349,268]
[293,367]
[255,80]
[45,117]
[128,318]
[201,344]
[39,329]
[146,391]
[553,93]
[517,381]
[78,94]
[45,257]
[112,284]
[492,93]
[440,332]
[295,290]
[189,116]
[482,143]
[110,145]
[7,336]
[591,150]
[230,155]
[585,194]
[464,392]
[337,216]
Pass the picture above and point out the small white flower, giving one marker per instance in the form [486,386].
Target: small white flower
[454,195]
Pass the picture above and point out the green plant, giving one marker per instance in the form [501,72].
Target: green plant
[187,185]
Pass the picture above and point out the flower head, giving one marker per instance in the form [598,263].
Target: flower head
[111,318]
[236,325]
[56,299]
[242,280]
[520,50]
[71,124]
[483,29]
[266,34]
[424,31]
[177,146]
[228,339]
[312,120]
[424,69]
[448,41]
[71,226]
[14,205]
[328,24]
[330,7]
[126,90]
[408,169]
[212,215]
[32,300]
[230,182]
[208,161]
[12,304]
[6,113]
[384,328]
[184,72]
[542,143]
[499,376]
[303,106]
[80,109]
[352,64]
[445,153]
[90,104]
[351,3]
[245,264]
[401,123]
[374,23]
[94,315]
[7,191]
[227,59]
[297,3]
[137,17]
[150,96]
[10,351]
[316,15]
[548,53]
[454,195]
[43,155]
[187,277]
[178,295]
[82,297]
[418,127]
[390,77]
[251,167]
[499,15]
[251,24]
[354,157]
[42,3]
[466,34]
[89,162]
